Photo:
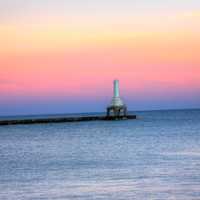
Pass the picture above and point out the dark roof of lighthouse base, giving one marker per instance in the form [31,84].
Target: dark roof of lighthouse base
[113,107]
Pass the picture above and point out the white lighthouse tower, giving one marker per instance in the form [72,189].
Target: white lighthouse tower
[117,108]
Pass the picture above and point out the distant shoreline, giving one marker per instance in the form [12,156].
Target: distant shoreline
[24,116]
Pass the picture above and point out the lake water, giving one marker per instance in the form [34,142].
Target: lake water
[156,157]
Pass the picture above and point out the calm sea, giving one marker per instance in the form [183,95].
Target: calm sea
[156,157]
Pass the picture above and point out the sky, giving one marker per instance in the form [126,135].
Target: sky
[62,56]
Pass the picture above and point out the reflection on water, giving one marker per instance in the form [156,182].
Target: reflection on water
[155,157]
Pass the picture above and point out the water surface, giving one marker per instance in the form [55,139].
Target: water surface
[154,157]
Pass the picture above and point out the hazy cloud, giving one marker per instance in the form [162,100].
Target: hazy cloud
[21,9]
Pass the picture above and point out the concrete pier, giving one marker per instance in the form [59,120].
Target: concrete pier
[64,119]
[117,110]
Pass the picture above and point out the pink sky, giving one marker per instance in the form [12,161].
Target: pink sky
[154,55]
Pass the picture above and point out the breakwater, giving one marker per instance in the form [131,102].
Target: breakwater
[64,119]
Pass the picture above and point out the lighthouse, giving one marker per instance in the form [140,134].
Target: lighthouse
[116,108]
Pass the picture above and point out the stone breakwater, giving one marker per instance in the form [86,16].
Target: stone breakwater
[64,119]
